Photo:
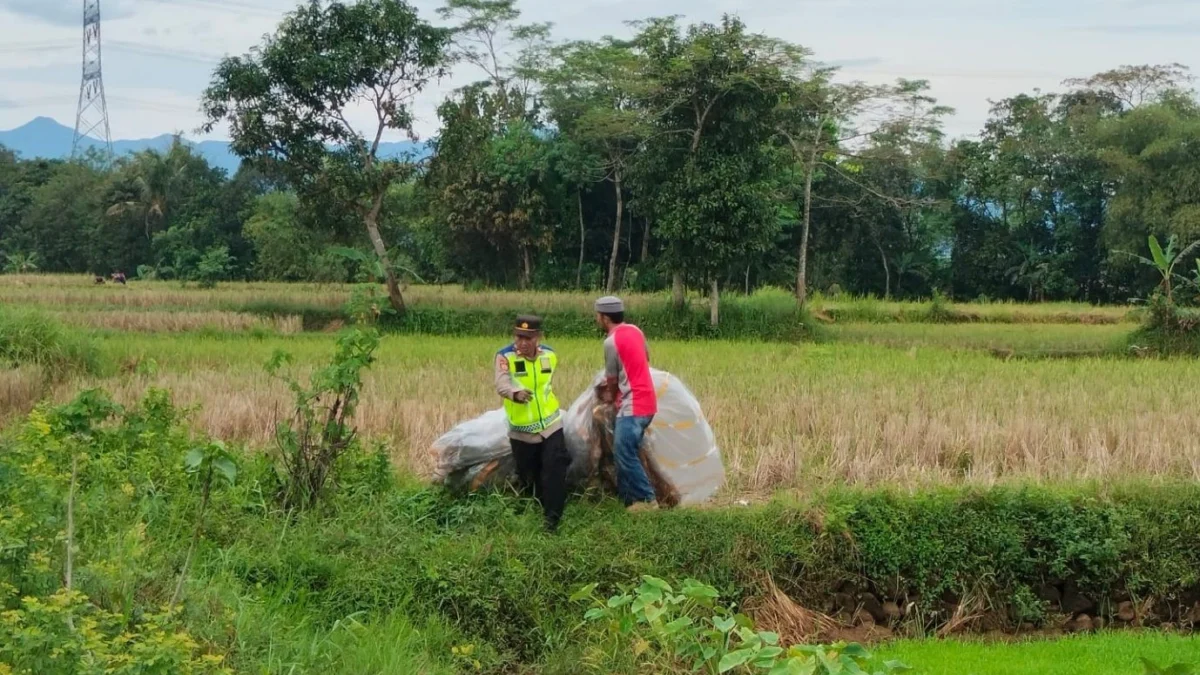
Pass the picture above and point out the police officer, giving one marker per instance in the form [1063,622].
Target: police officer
[524,376]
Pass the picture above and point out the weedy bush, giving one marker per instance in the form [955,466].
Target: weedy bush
[30,337]
[88,482]
[321,430]
[66,634]
[690,630]
[482,561]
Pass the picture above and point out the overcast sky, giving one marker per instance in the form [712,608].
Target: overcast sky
[158,54]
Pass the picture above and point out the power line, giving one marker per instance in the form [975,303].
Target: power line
[155,50]
[119,45]
[157,106]
[226,6]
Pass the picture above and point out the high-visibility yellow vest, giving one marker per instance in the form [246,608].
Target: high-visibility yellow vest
[534,376]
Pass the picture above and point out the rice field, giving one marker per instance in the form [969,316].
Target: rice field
[880,403]
[73,291]
[786,416]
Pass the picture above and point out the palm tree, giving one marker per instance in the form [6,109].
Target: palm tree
[155,174]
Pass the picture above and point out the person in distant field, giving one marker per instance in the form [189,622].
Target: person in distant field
[99,280]
[630,386]
[119,277]
[524,379]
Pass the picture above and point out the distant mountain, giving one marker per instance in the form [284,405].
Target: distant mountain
[47,139]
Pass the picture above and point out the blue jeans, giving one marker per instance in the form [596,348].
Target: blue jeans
[632,483]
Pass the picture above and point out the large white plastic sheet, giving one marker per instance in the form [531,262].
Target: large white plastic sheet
[679,443]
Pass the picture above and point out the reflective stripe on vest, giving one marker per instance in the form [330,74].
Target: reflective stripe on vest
[542,410]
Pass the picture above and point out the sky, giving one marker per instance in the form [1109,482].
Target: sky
[159,54]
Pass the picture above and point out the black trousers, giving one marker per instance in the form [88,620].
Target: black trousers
[542,470]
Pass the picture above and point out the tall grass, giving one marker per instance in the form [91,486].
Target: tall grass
[33,338]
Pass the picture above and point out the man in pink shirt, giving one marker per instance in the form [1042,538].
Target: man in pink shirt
[627,371]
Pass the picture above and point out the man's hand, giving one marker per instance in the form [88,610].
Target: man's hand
[522,396]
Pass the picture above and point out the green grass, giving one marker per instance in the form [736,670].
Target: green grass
[1113,653]
[29,337]
[1016,339]
[875,310]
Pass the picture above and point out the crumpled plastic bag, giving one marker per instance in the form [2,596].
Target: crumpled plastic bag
[470,455]
[679,453]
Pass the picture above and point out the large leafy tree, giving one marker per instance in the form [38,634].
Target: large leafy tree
[593,91]
[707,173]
[487,182]
[292,104]
[58,228]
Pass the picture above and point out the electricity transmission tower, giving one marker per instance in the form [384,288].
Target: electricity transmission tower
[91,119]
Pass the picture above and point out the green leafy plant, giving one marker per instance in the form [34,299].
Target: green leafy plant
[690,630]
[210,461]
[1164,262]
[321,428]
[21,263]
[213,266]
[64,634]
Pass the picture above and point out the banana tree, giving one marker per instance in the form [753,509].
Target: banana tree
[1164,261]
[21,263]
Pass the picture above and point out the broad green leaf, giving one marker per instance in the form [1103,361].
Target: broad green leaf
[595,613]
[1160,258]
[734,659]
[856,650]
[619,601]
[724,624]
[769,637]
[747,635]
[767,655]
[850,665]
[677,625]
[696,590]
[638,605]
[651,594]
[583,593]
[896,666]
[653,612]
[797,666]
[832,666]
[194,459]
[227,468]
[657,583]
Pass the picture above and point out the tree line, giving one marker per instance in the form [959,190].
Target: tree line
[696,156]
